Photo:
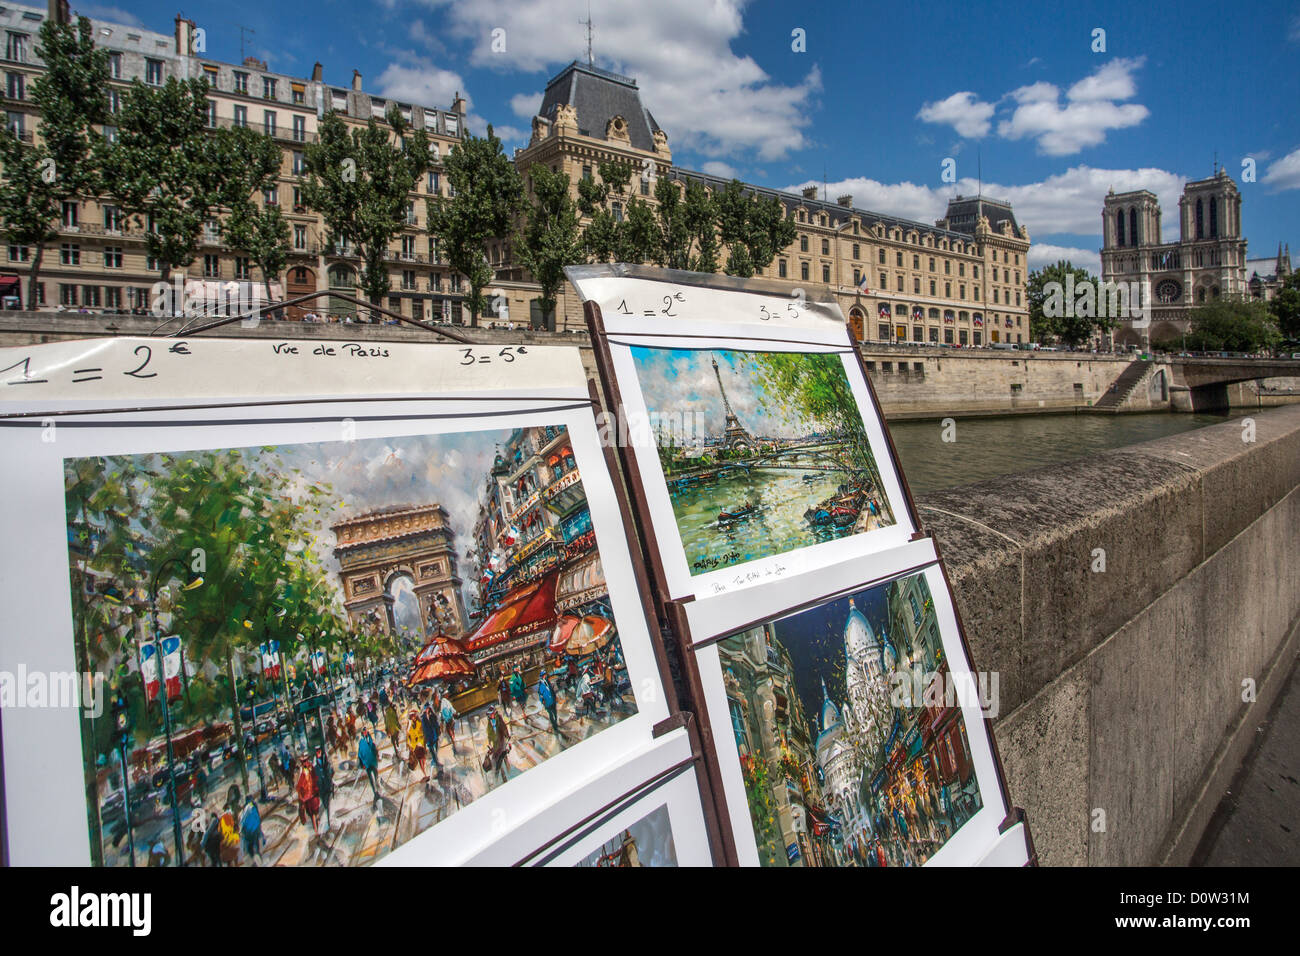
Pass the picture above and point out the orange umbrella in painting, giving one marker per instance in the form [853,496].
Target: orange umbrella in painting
[591,634]
[563,631]
[441,659]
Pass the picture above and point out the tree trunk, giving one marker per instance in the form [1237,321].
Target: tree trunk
[33,302]
[266,281]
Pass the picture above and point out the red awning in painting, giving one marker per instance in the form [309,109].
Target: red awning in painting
[525,610]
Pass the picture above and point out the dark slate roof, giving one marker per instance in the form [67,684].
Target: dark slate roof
[963,214]
[836,214]
[598,96]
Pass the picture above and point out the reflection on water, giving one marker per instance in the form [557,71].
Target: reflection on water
[989,447]
[778,525]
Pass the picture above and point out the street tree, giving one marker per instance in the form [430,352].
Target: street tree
[65,164]
[549,240]
[596,198]
[1051,316]
[488,196]
[360,181]
[1231,326]
[753,228]
[256,228]
[1285,307]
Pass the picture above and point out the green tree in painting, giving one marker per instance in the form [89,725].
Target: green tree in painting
[815,387]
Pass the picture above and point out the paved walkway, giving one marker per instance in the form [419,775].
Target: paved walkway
[1258,821]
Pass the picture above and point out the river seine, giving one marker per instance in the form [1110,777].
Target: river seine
[989,447]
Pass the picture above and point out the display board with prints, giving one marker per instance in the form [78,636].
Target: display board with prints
[390,590]
[823,653]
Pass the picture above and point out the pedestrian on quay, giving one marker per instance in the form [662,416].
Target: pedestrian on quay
[503,691]
[368,758]
[393,727]
[325,777]
[429,724]
[498,735]
[418,756]
[587,694]
[546,694]
[250,830]
[308,791]
[519,690]
[449,722]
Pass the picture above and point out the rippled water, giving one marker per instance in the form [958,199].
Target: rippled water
[779,525]
[989,447]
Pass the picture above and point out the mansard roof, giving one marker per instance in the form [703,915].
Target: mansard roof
[598,96]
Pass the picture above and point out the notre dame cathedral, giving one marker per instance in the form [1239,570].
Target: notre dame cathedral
[1207,261]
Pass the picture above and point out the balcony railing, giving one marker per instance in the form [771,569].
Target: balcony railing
[285,133]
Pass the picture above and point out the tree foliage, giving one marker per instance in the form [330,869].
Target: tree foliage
[1285,308]
[488,196]
[1229,326]
[754,229]
[1072,329]
[256,229]
[65,164]
[549,240]
[360,180]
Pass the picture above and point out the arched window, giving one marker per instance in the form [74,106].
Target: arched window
[1133,226]
[1200,220]
[1119,228]
[1214,218]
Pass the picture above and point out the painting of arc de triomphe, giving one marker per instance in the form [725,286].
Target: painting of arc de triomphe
[376,548]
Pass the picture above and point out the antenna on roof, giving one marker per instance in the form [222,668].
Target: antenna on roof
[244,30]
[825,187]
[979,173]
[590,60]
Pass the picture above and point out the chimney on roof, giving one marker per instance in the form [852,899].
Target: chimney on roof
[356,80]
[846,200]
[810,192]
[316,74]
[57,11]
[458,104]
[184,36]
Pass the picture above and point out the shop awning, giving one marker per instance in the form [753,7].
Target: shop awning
[525,610]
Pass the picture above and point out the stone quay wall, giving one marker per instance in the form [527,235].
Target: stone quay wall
[1129,696]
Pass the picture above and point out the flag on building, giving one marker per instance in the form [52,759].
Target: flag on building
[862,285]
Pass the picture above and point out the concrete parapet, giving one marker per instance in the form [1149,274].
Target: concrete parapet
[1122,690]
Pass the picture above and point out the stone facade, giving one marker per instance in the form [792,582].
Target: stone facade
[959,281]
[1208,260]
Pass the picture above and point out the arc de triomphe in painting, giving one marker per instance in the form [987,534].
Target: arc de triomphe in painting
[376,548]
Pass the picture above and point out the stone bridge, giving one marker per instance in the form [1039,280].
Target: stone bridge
[1201,384]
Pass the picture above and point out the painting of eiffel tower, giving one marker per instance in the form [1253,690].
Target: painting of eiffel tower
[734,435]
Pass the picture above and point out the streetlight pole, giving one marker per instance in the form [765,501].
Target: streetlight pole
[257,747]
[166,704]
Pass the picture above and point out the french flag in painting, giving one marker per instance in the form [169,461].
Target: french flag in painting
[149,671]
[318,661]
[172,666]
[510,536]
[271,659]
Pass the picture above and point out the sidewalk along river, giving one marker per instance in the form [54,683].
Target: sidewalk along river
[989,447]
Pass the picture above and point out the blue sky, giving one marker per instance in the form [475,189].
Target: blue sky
[875,103]
[680,386]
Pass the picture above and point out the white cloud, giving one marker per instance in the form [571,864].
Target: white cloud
[1042,254]
[418,82]
[1089,112]
[710,99]
[1285,172]
[716,167]
[526,105]
[1068,203]
[965,113]
[100,11]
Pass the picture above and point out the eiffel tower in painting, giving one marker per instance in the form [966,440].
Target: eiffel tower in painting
[735,435]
